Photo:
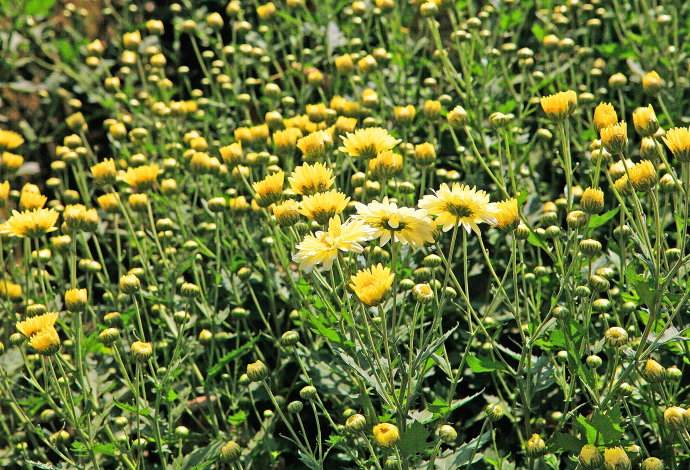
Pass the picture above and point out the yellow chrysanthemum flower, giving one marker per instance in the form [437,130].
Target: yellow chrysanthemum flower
[286,212]
[46,342]
[643,176]
[238,204]
[322,206]
[371,284]
[459,205]
[142,177]
[311,179]
[402,224]
[270,189]
[10,140]
[368,142]
[108,202]
[507,215]
[11,161]
[30,200]
[616,459]
[645,121]
[4,193]
[9,289]
[560,105]
[323,247]
[104,172]
[286,139]
[604,116]
[678,142]
[386,164]
[78,217]
[31,224]
[386,434]
[232,154]
[313,146]
[33,325]
[615,137]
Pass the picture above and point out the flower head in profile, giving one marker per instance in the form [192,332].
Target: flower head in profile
[645,121]
[30,200]
[10,140]
[615,137]
[604,116]
[322,206]
[9,289]
[323,246]
[678,142]
[386,164]
[270,189]
[104,172]
[371,284]
[286,212]
[31,224]
[368,142]
[507,215]
[311,179]
[643,176]
[559,105]
[142,177]
[11,161]
[33,325]
[46,342]
[616,459]
[313,145]
[459,205]
[403,224]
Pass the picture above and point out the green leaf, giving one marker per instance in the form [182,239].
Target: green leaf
[414,440]
[239,352]
[238,418]
[132,409]
[483,364]
[38,7]
[204,457]
[602,428]
[643,286]
[598,220]
[67,52]
[565,442]
[536,240]
[538,32]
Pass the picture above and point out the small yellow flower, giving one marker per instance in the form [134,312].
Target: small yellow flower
[643,176]
[604,116]
[311,179]
[623,186]
[646,123]
[404,114]
[386,164]
[313,146]
[286,212]
[9,289]
[678,142]
[31,224]
[403,224]
[78,217]
[368,142]
[507,215]
[616,459]
[10,140]
[11,162]
[344,63]
[424,153]
[459,205]
[33,325]
[104,172]
[108,202]
[386,434]
[141,351]
[592,200]
[323,247]
[590,457]
[238,204]
[46,342]
[4,193]
[371,284]
[76,299]
[615,137]
[322,206]
[266,11]
[232,154]
[676,417]
[30,200]
[286,140]
[652,83]
[270,189]
[343,124]
[560,105]
[142,177]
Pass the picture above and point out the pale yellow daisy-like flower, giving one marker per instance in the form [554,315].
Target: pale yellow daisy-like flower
[459,205]
[313,145]
[323,246]
[32,224]
[403,224]
[142,177]
[104,172]
[371,284]
[11,161]
[4,193]
[368,142]
[386,164]
[604,116]
[29,200]
[507,215]
[286,212]
[559,105]
[322,206]
[33,325]
[311,179]
[46,342]
[615,137]
[10,140]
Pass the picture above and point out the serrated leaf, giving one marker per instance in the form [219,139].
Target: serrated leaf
[598,220]
[565,442]
[483,364]
[413,441]
[132,409]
